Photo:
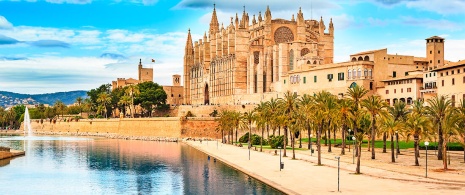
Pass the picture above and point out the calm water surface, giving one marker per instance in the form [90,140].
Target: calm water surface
[69,165]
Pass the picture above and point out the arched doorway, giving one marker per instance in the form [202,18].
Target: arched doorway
[206,95]
[353,85]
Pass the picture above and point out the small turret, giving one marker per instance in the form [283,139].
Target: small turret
[260,17]
[237,22]
[253,20]
[331,27]
[300,17]
[293,19]
[205,37]
[268,14]
[322,27]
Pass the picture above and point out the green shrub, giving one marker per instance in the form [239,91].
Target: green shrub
[255,139]
[276,141]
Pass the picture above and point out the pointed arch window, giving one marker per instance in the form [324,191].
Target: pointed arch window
[354,74]
[359,74]
[370,73]
[291,60]
[349,74]
[365,73]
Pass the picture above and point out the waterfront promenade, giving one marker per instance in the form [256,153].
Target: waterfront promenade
[303,176]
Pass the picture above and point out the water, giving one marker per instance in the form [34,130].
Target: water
[27,123]
[69,165]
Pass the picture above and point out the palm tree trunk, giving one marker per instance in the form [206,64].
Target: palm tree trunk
[397,142]
[300,139]
[267,131]
[250,135]
[285,141]
[318,142]
[444,155]
[359,151]
[440,141]
[373,137]
[355,133]
[384,142]
[329,135]
[261,140]
[416,150]
[392,149]
[279,131]
[326,138]
[236,134]
[293,145]
[334,135]
[343,149]
[310,139]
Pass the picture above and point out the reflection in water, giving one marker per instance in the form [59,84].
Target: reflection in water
[102,166]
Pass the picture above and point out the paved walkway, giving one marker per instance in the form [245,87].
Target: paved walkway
[303,176]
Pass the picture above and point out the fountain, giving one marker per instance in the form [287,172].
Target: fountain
[27,123]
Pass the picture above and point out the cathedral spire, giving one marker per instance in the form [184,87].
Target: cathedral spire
[189,45]
[214,25]
[260,16]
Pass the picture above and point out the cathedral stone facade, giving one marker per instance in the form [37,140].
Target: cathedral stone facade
[248,60]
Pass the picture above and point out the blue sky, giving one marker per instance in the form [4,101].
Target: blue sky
[62,45]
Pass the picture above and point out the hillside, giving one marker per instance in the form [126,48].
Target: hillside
[8,99]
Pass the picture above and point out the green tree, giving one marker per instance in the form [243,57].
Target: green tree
[249,117]
[391,126]
[356,94]
[344,107]
[399,112]
[438,107]
[79,104]
[288,105]
[417,126]
[104,99]
[375,106]
[60,107]
[124,102]
[151,95]
[132,91]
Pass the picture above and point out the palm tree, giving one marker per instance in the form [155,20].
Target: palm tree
[132,91]
[451,125]
[438,107]
[104,99]
[375,107]
[273,108]
[461,130]
[417,126]
[235,117]
[362,122]
[124,102]
[261,118]
[321,113]
[356,94]
[59,105]
[306,105]
[288,106]
[399,112]
[10,116]
[344,107]
[223,123]
[249,118]
[391,126]
[79,102]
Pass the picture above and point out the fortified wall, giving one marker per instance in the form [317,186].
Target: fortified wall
[167,127]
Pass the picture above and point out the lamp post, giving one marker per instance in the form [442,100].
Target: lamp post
[353,151]
[338,163]
[426,146]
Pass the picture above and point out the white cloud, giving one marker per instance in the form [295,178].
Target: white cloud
[4,24]
[440,24]
[439,6]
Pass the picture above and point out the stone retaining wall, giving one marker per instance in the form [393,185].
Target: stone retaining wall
[132,128]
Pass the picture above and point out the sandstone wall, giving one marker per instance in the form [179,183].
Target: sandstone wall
[172,127]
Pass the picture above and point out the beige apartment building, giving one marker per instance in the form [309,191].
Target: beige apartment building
[451,81]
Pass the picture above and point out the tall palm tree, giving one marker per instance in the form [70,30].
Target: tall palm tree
[321,113]
[223,123]
[104,99]
[437,109]
[450,127]
[356,94]
[132,91]
[273,108]
[288,105]
[306,104]
[362,122]
[417,126]
[344,108]
[261,119]
[399,112]
[79,102]
[235,117]
[461,130]
[375,106]
[391,126]
[124,102]
[249,118]
[59,105]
